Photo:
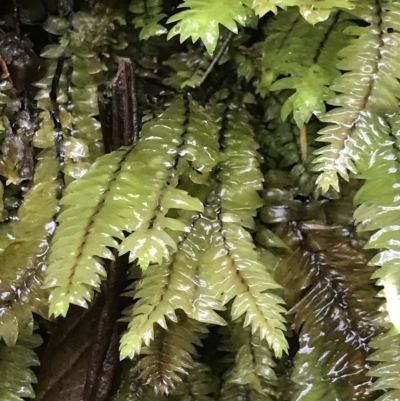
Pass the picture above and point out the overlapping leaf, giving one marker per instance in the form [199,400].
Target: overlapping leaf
[133,188]
[334,309]
[23,260]
[365,95]
[202,18]
[148,15]
[16,362]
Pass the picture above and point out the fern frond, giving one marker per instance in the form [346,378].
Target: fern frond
[379,211]
[235,271]
[335,305]
[201,20]
[148,15]
[135,188]
[169,286]
[234,392]
[15,369]
[170,356]
[359,119]
[81,71]
[131,388]
[197,386]
[253,364]
[312,385]
[387,360]
[313,11]
[310,71]
[22,262]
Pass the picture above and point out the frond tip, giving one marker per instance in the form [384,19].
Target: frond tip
[201,19]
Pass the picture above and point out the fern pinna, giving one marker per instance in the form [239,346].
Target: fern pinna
[246,247]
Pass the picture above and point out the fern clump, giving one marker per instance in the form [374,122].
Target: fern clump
[199,200]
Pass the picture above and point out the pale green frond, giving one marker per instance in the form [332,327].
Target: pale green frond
[237,273]
[148,14]
[201,20]
[387,362]
[169,358]
[308,56]
[135,189]
[379,210]
[358,123]
[314,11]
[16,362]
[176,284]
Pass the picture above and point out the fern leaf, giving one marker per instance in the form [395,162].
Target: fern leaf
[131,388]
[309,74]
[386,358]
[80,72]
[172,285]
[170,356]
[234,392]
[313,11]
[253,364]
[198,386]
[23,260]
[148,15]
[312,385]
[379,210]
[135,188]
[232,255]
[15,369]
[201,20]
[359,119]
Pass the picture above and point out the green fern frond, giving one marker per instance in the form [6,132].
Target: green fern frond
[253,364]
[170,356]
[313,11]
[131,388]
[135,188]
[173,285]
[187,68]
[197,386]
[148,14]
[23,260]
[359,118]
[387,362]
[15,369]
[201,20]
[310,71]
[81,71]
[379,212]
[311,384]
[235,271]
[234,392]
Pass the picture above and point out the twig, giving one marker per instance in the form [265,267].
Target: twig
[303,143]
[217,57]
